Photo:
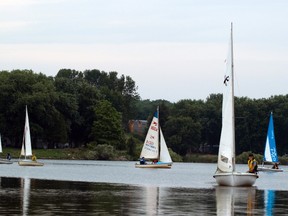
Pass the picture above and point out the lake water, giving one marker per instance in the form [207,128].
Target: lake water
[63,187]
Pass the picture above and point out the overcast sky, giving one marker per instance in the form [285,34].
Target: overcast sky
[172,49]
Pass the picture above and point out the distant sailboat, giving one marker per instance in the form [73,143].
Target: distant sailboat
[155,147]
[26,150]
[270,153]
[225,174]
[3,161]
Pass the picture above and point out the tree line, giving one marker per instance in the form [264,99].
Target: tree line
[73,107]
[191,126]
[93,107]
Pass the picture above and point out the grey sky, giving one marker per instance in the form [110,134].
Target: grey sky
[173,49]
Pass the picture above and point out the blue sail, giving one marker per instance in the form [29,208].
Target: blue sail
[270,154]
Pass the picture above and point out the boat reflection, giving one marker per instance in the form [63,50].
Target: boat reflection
[269,202]
[234,200]
[25,196]
[150,202]
[25,184]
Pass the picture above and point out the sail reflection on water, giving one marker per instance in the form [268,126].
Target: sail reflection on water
[25,183]
[232,200]
[151,200]
[269,202]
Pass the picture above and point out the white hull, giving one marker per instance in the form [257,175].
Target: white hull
[162,165]
[4,161]
[235,179]
[29,163]
[268,169]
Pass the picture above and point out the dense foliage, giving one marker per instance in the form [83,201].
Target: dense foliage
[72,108]
[92,108]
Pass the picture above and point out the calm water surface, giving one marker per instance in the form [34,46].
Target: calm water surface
[117,188]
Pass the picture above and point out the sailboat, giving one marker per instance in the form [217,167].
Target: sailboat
[26,150]
[226,174]
[3,161]
[155,147]
[270,153]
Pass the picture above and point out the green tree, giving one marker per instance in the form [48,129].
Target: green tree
[107,127]
[131,145]
[69,74]
[121,92]
[211,122]
[21,88]
[183,134]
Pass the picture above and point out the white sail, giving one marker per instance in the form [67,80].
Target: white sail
[226,155]
[26,145]
[150,148]
[0,144]
[164,153]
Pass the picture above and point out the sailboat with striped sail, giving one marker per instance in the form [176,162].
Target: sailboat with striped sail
[155,148]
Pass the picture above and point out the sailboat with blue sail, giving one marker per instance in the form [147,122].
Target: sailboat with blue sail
[270,153]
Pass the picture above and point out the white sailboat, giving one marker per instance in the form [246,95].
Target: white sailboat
[155,147]
[226,174]
[270,153]
[26,150]
[3,161]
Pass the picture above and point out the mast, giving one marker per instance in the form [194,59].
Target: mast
[159,138]
[233,108]
[0,144]
[23,148]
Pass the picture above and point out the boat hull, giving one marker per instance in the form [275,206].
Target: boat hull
[30,163]
[268,169]
[161,165]
[235,179]
[4,161]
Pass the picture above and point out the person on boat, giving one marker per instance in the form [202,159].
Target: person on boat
[142,161]
[252,164]
[275,166]
[155,161]
[8,157]
[34,158]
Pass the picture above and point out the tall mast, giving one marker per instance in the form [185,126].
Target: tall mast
[159,138]
[233,108]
